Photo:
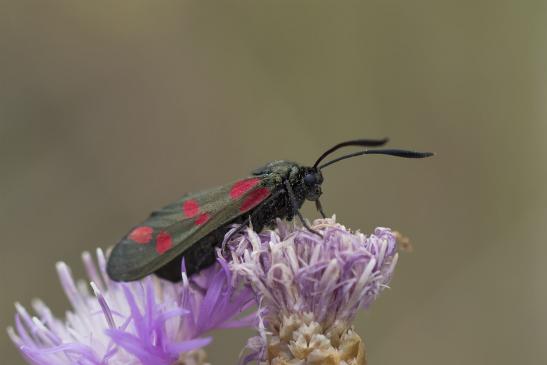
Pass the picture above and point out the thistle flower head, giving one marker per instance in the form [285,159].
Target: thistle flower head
[310,288]
[146,322]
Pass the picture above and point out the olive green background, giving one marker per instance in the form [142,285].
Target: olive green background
[109,109]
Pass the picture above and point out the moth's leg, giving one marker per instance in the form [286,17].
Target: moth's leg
[320,208]
[295,208]
[241,227]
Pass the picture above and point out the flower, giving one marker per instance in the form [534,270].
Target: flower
[147,322]
[310,288]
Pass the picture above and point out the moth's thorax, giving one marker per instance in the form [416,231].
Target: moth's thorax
[283,169]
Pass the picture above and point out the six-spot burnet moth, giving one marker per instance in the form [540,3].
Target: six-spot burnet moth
[194,225]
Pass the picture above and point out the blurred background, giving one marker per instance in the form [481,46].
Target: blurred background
[111,109]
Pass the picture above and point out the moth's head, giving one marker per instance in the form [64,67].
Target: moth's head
[312,179]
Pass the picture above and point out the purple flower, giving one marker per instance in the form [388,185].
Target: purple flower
[146,322]
[310,288]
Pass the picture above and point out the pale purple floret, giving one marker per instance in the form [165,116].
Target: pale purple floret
[147,322]
[295,271]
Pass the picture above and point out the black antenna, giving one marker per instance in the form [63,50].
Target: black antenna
[391,152]
[356,142]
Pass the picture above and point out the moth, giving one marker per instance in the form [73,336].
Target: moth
[193,226]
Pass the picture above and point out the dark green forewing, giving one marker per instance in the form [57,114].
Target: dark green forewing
[169,231]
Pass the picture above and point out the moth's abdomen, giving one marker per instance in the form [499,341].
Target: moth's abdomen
[200,255]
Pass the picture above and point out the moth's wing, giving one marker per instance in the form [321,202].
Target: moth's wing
[171,230]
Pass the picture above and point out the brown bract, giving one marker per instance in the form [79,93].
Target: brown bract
[302,341]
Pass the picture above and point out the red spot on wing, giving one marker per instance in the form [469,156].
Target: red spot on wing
[190,208]
[203,217]
[254,198]
[163,242]
[243,186]
[141,234]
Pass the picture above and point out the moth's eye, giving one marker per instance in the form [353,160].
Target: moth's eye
[309,179]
